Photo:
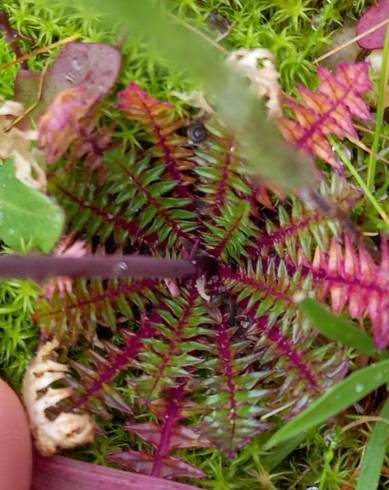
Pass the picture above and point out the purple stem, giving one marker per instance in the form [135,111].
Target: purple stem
[39,267]
[172,415]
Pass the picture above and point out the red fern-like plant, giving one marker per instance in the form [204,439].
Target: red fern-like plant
[217,359]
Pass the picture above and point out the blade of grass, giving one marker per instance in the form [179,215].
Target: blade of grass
[383,82]
[373,458]
[282,451]
[45,49]
[329,456]
[349,391]
[369,195]
[336,328]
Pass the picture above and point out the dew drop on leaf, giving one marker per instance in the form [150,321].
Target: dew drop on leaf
[121,266]
[359,388]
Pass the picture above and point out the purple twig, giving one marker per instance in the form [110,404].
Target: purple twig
[39,267]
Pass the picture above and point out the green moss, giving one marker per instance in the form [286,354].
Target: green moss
[18,334]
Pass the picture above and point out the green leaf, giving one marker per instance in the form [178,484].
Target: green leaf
[27,215]
[337,398]
[373,459]
[336,328]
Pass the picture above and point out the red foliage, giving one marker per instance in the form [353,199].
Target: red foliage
[329,111]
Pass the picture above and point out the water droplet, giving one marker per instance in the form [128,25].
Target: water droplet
[379,377]
[359,388]
[76,64]
[121,266]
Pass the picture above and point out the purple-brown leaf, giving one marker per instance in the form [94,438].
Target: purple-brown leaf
[91,66]
[373,16]
[61,473]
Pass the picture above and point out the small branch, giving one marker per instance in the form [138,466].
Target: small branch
[38,267]
[42,50]
[351,41]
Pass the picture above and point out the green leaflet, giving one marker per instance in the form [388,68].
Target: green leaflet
[336,328]
[26,215]
[375,453]
[336,399]
[267,153]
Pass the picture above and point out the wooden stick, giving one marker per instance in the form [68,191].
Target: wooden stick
[351,41]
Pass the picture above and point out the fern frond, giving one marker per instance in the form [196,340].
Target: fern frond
[231,234]
[136,204]
[170,356]
[106,363]
[90,212]
[311,366]
[283,347]
[164,437]
[220,173]
[298,227]
[267,286]
[350,277]
[233,390]
[161,127]
[92,303]
[152,206]
[328,111]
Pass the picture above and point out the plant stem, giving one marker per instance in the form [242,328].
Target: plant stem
[39,267]
[371,170]
[361,182]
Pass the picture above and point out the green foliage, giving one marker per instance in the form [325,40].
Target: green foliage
[91,303]
[18,334]
[336,399]
[336,328]
[375,453]
[27,215]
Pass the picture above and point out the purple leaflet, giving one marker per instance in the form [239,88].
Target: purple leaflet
[373,16]
[351,278]
[91,66]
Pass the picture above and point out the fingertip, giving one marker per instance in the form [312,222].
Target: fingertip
[15,442]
